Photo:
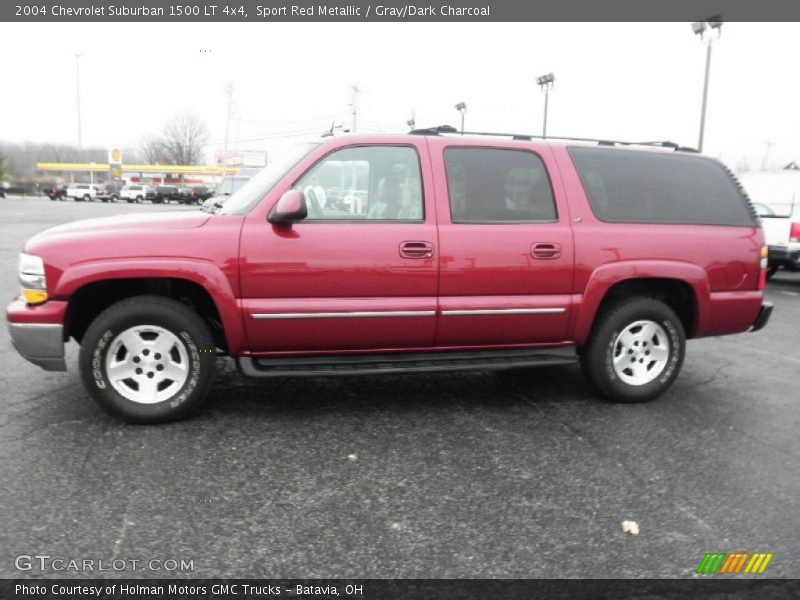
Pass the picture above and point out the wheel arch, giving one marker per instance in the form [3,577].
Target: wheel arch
[203,290]
[683,287]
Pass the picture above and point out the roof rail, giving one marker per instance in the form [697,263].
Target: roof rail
[450,130]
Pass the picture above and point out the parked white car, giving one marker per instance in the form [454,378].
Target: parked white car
[782,234]
[83,192]
[136,192]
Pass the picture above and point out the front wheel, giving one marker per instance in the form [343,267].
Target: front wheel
[148,359]
[635,350]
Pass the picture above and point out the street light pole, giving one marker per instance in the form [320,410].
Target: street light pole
[709,32]
[545,84]
[461,107]
[412,122]
[229,93]
[78,96]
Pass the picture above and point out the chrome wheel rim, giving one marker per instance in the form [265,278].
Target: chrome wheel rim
[147,364]
[641,352]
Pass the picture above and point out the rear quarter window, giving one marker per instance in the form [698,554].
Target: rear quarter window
[625,186]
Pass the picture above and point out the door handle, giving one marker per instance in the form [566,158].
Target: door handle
[546,250]
[416,250]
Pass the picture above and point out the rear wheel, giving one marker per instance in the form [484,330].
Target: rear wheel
[771,271]
[635,350]
[87,198]
[148,359]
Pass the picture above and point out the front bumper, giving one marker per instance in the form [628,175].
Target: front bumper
[37,332]
[763,316]
[41,344]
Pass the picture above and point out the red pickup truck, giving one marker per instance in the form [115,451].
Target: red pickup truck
[423,252]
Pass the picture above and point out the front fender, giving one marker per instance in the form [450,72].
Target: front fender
[606,276]
[201,272]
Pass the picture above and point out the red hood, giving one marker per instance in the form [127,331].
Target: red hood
[123,224]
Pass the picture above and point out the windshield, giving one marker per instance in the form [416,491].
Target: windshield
[230,185]
[254,190]
[762,210]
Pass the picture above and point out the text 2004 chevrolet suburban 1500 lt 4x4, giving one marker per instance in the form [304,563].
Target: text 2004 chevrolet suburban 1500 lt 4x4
[375,254]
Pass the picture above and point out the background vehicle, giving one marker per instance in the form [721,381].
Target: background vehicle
[109,192]
[56,192]
[166,193]
[194,195]
[227,186]
[136,193]
[451,252]
[782,234]
[83,191]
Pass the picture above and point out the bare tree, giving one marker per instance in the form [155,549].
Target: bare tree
[152,149]
[181,142]
[184,138]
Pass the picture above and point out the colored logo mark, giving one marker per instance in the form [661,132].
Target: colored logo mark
[721,563]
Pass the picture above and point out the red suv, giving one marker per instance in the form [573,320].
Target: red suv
[423,252]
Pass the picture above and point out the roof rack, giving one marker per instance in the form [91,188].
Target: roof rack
[450,130]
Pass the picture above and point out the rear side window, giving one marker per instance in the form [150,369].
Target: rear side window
[493,185]
[626,186]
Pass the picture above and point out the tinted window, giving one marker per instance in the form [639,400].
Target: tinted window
[489,185]
[377,183]
[626,186]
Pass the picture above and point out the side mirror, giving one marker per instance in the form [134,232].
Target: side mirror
[291,207]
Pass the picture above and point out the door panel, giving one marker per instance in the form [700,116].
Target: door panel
[344,281]
[501,282]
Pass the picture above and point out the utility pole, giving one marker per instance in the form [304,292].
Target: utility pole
[768,147]
[229,93]
[78,95]
[354,105]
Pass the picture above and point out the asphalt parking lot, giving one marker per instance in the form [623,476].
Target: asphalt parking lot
[473,474]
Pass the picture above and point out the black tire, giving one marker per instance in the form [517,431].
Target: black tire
[174,317]
[598,353]
[771,271]
[87,198]
[113,198]
[138,199]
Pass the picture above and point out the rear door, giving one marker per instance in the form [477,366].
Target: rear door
[360,272]
[506,247]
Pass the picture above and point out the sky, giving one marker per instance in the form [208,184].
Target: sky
[291,81]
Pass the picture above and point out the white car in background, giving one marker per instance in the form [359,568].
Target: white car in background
[136,192]
[83,191]
[782,235]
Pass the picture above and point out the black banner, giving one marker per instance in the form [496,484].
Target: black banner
[394,11]
[394,589]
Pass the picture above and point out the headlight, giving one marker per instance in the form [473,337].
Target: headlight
[32,279]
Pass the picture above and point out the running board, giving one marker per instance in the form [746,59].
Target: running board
[427,362]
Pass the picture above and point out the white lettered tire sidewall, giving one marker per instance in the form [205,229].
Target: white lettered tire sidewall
[163,312]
